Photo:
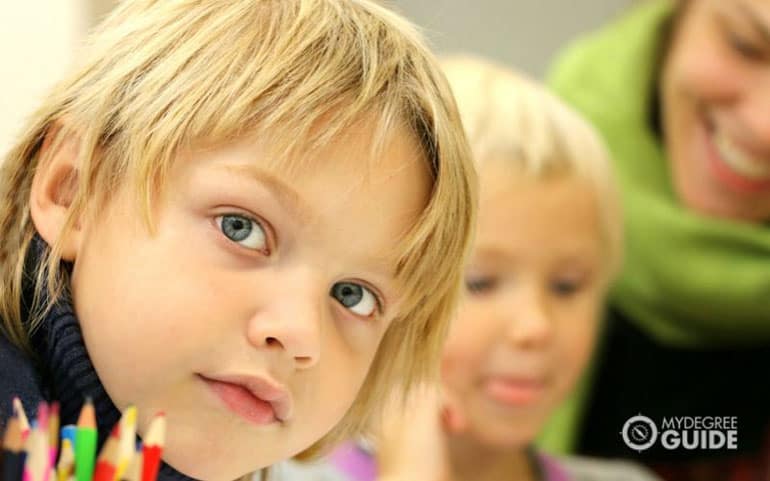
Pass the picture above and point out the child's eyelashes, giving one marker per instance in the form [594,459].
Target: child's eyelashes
[244,231]
[480,284]
[566,287]
[356,298]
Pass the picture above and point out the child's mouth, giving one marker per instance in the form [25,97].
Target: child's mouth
[253,403]
[513,391]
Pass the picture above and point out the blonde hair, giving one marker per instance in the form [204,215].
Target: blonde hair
[161,76]
[508,116]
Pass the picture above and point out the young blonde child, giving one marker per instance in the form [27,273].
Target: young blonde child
[547,246]
[246,214]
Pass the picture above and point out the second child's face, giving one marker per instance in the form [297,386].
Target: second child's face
[252,314]
[534,290]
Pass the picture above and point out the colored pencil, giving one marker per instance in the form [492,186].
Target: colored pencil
[18,410]
[38,457]
[108,457]
[13,451]
[44,425]
[29,451]
[134,471]
[66,461]
[53,432]
[69,432]
[127,441]
[85,442]
[153,447]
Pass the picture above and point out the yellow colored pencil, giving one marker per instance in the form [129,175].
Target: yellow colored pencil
[66,461]
[127,447]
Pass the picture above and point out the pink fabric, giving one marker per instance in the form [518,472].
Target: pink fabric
[359,465]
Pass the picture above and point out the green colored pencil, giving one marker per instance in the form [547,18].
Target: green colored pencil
[85,442]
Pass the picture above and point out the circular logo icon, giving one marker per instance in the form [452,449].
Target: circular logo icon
[639,433]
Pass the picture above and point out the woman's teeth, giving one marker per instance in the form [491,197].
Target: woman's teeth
[739,161]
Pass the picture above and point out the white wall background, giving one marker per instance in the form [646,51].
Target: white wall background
[39,38]
[524,34]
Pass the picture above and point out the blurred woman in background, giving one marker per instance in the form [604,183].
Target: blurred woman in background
[680,91]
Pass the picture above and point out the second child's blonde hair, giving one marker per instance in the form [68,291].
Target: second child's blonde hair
[162,76]
[510,117]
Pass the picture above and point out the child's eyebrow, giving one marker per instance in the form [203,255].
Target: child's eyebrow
[491,252]
[288,197]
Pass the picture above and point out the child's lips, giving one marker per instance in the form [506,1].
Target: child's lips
[513,391]
[256,399]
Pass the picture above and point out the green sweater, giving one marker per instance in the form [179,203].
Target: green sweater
[688,280]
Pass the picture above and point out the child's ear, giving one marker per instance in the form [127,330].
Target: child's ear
[53,188]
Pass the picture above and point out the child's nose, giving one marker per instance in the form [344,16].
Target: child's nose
[290,321]
[529,325]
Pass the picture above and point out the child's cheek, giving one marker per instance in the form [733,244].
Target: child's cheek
[457,365]
[574,346]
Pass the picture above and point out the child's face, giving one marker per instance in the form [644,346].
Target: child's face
[254,280]
[534,289]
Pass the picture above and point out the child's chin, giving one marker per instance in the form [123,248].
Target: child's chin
[204,458]
[508,435]
[517,438]
[205,467]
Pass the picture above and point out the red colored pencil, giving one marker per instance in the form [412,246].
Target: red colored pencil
[106,463]
[153,448]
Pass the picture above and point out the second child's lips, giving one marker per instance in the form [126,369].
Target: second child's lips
[513,391]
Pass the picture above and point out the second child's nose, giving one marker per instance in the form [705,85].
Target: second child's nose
[529,324]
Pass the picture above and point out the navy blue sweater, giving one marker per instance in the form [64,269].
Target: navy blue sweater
[62,372]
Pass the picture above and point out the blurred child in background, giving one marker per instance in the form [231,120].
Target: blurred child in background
[547,246]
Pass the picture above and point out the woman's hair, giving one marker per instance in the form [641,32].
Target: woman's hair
[512,118]
[161,76]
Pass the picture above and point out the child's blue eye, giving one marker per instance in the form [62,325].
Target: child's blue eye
[355,297]
[243,230]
